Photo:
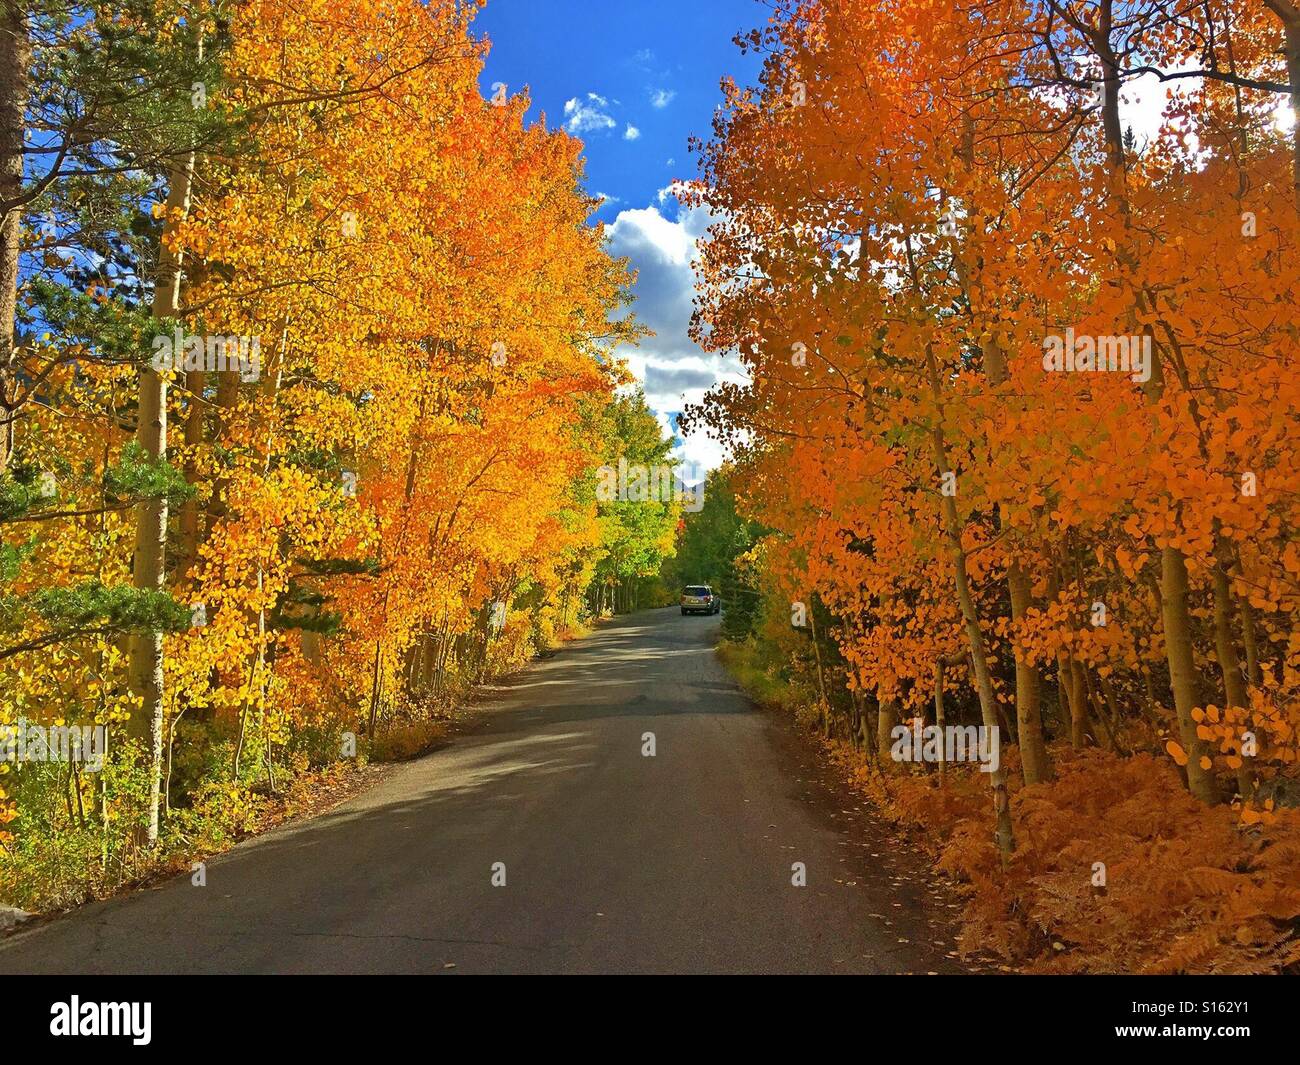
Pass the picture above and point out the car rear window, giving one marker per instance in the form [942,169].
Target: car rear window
[697,589]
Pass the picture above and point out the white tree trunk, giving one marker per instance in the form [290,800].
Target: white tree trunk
[149,570]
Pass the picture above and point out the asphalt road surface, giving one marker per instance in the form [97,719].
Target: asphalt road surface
[613,861]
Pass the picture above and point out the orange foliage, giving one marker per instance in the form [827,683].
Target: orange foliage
[917,211]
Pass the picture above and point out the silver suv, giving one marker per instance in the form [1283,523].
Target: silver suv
[699,599]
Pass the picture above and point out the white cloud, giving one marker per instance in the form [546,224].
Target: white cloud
[699,454]
[586,115]
[631,133]
[660,242]
[662,97]
[670,191]
[1143,101]
[666,244]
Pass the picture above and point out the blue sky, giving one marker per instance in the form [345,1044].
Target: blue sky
[633,79]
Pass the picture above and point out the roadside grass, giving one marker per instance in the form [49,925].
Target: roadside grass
[83,862]
[81,839]
[402,742]
[756,678]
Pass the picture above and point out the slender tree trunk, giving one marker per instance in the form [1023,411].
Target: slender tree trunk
[428,660]
[269,389]
[951,521]
[1112,702]
[984,684]
[149,569]
[886,721]
[195,417]
[15,64]
[227,401]
[1149,688]
[868,730]
[1099,712]
[1078,711]
[939,716]
[974,634]
[411,669]
[1253,672]
[1182,670]
[171,749]
[821,674]
[1036,764]
[1234,683]
[1174,608]
[374,689]
[444,649]
[242,730]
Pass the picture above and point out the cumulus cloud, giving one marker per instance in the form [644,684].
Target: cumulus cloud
[670,193]
[631,133]
[660,242]
[667,380]
[661,98]
[591,114]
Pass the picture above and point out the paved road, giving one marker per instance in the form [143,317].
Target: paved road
[614,862]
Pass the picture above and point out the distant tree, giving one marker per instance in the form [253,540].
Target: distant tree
[708,542]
